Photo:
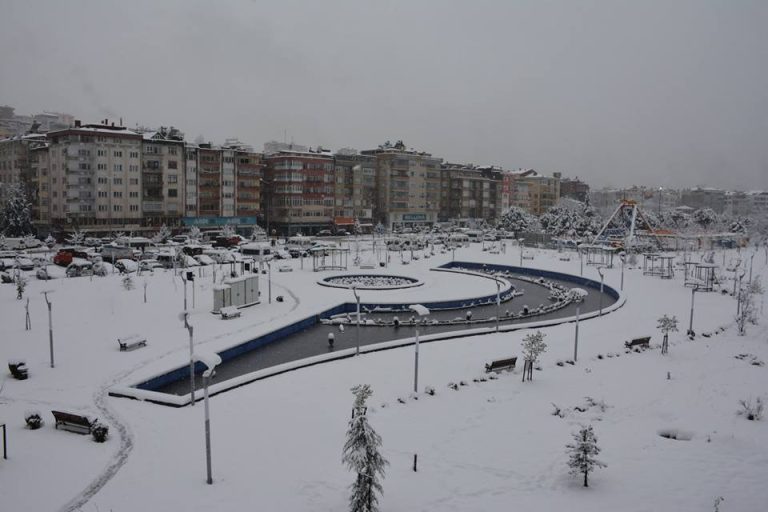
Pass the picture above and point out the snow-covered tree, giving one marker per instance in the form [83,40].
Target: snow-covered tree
[50,241]
[380,229]
[571,218]
[162,234]
[21,284]
[361,455]
[357,229]
[583,454]
[195,233]
[705,217]
[77,237]
[533,347]
[128,282]
[3,242]
[666,324]
[228,231]
[518,220]
[16,219]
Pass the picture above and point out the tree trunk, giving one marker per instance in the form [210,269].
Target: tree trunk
[586,484]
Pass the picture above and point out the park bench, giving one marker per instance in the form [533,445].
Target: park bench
[367,266]
[229,312]
[73,422]
[18,369]
[285,268]
[131,342]
[638,342]
[501,364]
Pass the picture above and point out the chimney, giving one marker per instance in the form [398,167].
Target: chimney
[77,123]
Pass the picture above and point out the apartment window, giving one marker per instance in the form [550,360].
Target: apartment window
[102,193]
[172,178]
[101,152]
[173,164]
[117,194]
[133,194]
[133,181]
[101,167]
[133,168]
[116,207]
[118,167]
[117,181]
[118,154]
[134,207]
[134,154]
[172,192]
[171,151]
[102,207]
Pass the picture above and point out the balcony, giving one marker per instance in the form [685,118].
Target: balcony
[152,206]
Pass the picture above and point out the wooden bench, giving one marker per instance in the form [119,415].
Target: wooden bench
[229,312]
[131,342]
[18,370]
[501,364]
[638,342]
[367,266]
[73,422]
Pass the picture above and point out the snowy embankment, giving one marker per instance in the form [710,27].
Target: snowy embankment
[277,442]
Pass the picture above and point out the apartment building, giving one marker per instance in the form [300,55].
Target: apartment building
[95,177]
[408,186]
[704,197]
[574,188]
[470,192]
[162,177]
[354,188]
[299,191]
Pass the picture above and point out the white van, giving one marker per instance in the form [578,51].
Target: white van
[258,251]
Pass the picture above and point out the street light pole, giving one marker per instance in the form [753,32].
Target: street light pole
[690,323]
[602,278]
[623,258]
[421,311]
[520,241]
[190,329]
[269,281]
[210,361]
[50,323]
[498,303]
[576,338]
[357,300]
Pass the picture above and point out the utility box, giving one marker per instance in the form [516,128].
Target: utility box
[238,292]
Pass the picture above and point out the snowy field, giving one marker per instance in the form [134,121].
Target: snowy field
[486,446]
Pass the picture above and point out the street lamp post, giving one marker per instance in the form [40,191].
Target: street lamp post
[210,361]
[602,279]
[50,323]
[660,190]
[357,300]
[269,281]
[623,258]
[520,241]
[576,338]
[421,311]
[690,323]
[185,316]
[498,303]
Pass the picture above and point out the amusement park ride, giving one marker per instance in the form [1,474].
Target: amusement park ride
[628,228]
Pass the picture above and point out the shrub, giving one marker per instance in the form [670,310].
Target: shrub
[751,411]
[33,419]
[100,432]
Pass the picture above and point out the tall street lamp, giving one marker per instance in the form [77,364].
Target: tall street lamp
[498,302]
[357,300]
[602,279]
[185,318]
[690,323]
[50,322]
[623,258]
[269,281]
[520,241]
[210,361]
[422,311]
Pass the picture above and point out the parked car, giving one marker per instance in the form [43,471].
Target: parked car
[79,267]
[7,263]
[5,278]
[281,254]
[297,253]
[125,265]
[24,263]
[227,241]
[65,256]
[324,232]
[150,264]
[204,259]
[112,253]
[42,274]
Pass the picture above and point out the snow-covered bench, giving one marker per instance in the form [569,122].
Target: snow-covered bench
[638,342]
[501,364]
[73,422]
[229,312]
[18,369]
[131,342]
[367,266]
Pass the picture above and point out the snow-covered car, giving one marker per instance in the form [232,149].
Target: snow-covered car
[150,264]
[7,263]
[126,266]
[24,263]
[101,268]
[42,274]
[204,259]
[188,261]
[5,278]
[79,267]
[281,254]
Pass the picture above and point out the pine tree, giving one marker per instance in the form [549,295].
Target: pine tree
[361,455]
[17,212]
[583,454]
[162,235]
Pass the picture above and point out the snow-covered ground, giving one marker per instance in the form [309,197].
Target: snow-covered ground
[277,442]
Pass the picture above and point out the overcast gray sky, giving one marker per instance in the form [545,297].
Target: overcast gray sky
[670,93]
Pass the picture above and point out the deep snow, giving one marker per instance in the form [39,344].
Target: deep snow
[277,442]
